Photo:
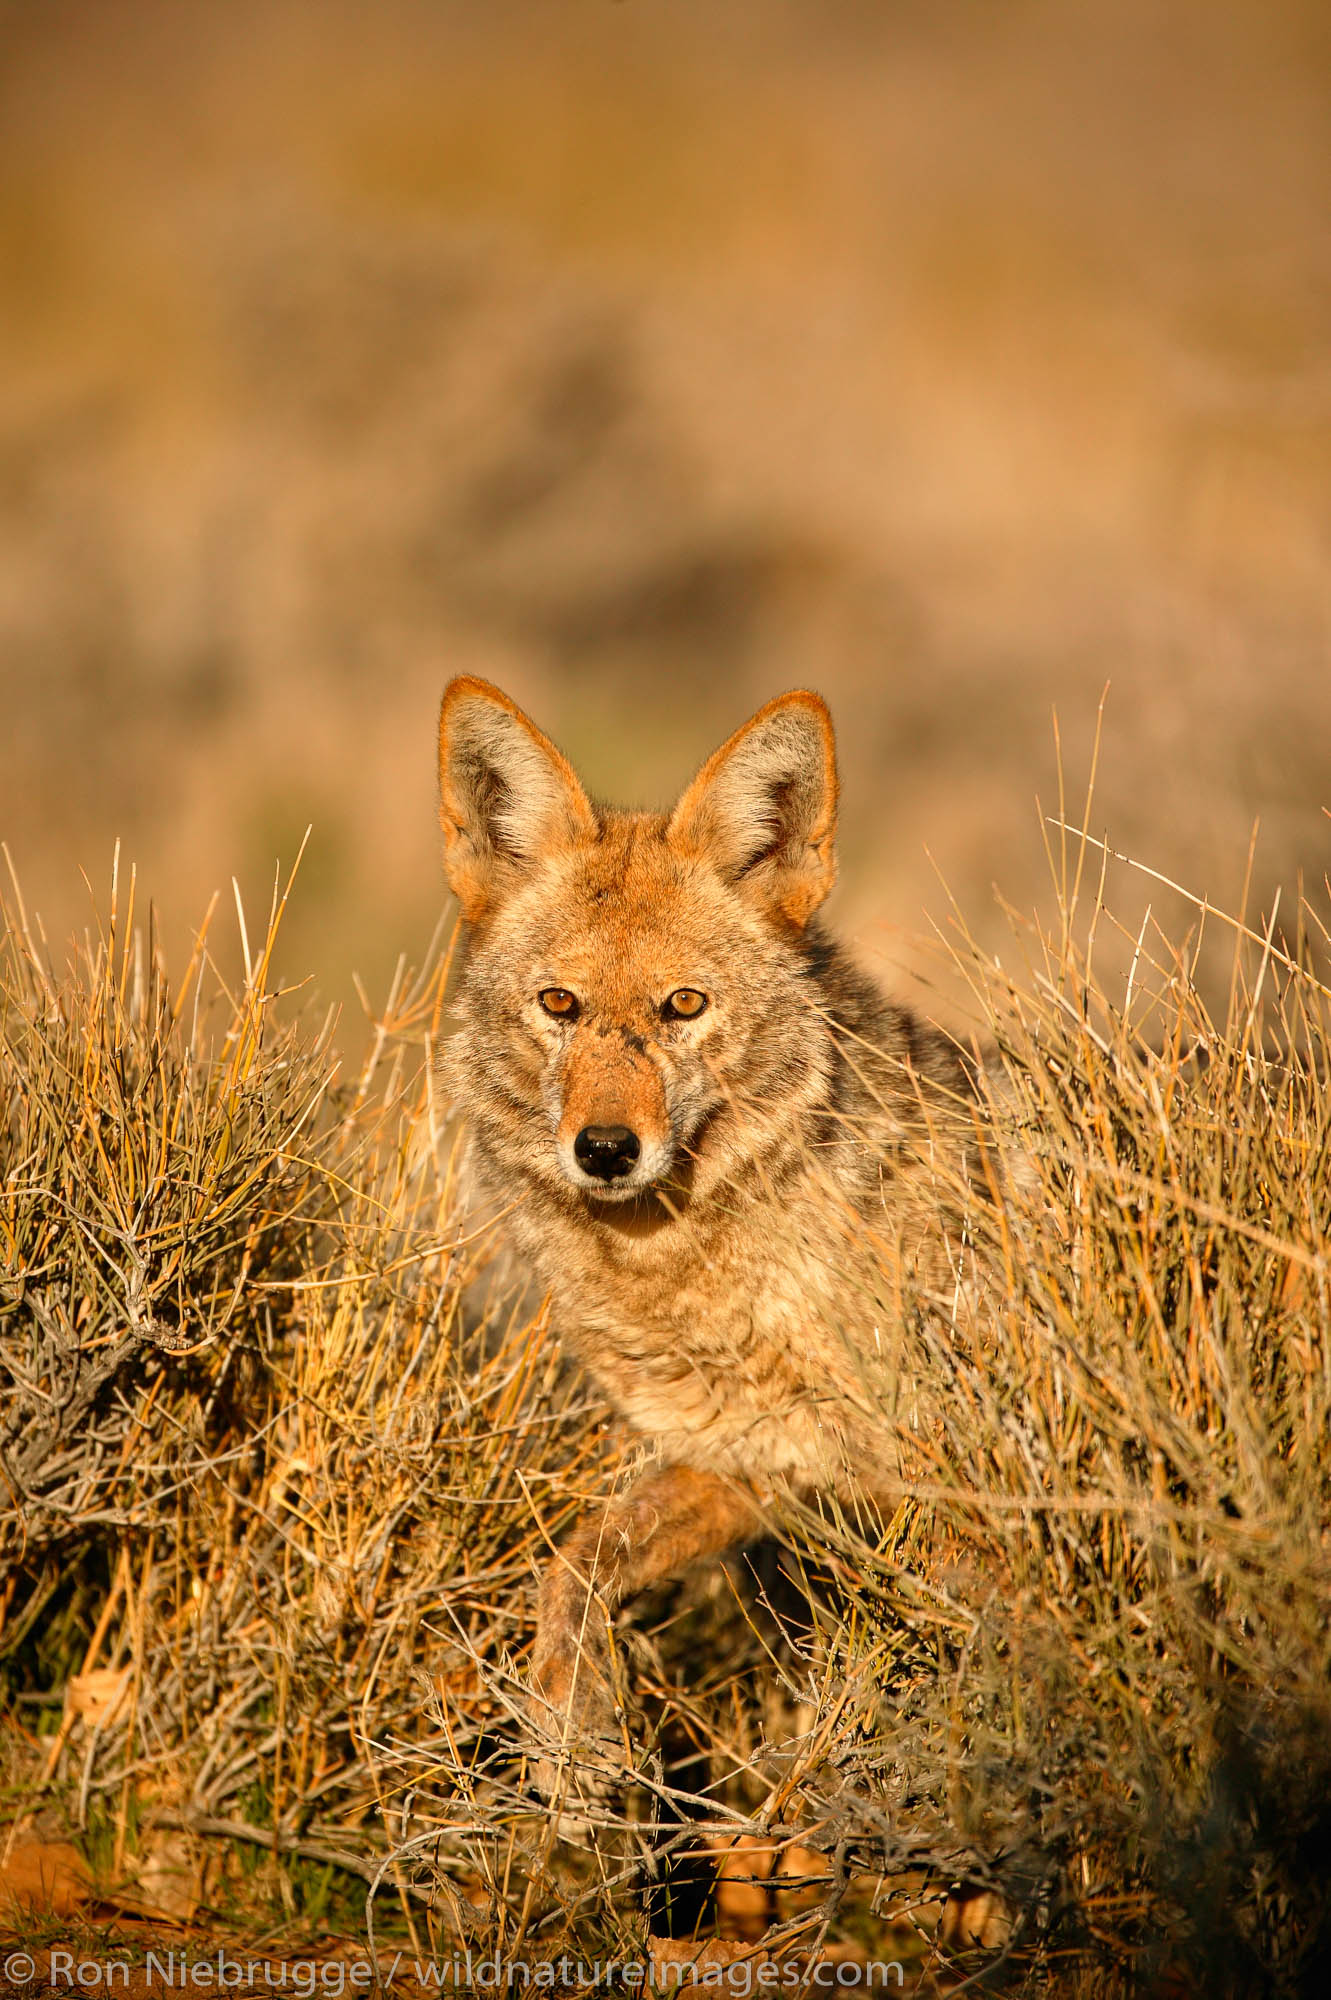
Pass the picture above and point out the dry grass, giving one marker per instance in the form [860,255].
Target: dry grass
[280,1443]
[246,1442]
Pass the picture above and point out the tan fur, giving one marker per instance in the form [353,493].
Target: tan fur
[738,1292]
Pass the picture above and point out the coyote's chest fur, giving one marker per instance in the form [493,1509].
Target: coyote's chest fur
[715,1345]
[756,1337]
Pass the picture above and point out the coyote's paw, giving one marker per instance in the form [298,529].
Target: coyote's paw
[579,1785]
[974,1917]
[574,1720]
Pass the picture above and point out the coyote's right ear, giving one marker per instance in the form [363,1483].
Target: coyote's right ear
[506,795]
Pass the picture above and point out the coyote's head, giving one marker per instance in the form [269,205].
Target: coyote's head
[639,1000]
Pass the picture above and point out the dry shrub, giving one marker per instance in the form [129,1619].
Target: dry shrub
[283,1452]
[1105,1679]
[250,1455]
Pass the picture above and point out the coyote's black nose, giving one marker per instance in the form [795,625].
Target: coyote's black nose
[606,1150]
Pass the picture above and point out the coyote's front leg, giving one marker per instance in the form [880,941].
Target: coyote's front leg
[665,1521]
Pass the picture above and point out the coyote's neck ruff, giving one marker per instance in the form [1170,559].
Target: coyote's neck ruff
[713,1134]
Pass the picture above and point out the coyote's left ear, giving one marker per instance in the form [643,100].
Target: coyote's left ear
[762,809]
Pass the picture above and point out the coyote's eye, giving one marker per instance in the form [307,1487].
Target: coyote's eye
[684,1005]
[558,1001]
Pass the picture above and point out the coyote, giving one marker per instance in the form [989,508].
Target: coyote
[713,1134]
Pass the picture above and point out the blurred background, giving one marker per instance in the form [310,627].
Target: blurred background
[649,358]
